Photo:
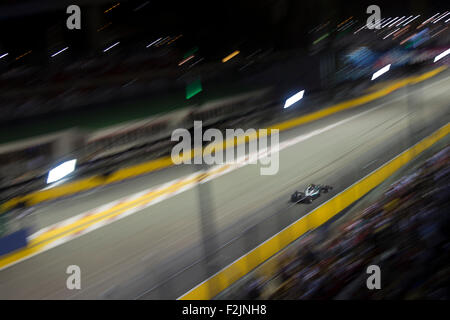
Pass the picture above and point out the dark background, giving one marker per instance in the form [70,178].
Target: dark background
[214,26]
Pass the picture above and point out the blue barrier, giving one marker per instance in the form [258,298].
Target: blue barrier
[13,241]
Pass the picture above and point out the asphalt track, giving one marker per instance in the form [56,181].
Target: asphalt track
[157,252]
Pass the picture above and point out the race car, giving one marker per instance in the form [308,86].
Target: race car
[311,192]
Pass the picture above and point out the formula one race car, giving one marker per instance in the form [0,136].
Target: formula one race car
[311,192]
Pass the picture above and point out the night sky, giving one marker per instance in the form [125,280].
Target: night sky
[214,26]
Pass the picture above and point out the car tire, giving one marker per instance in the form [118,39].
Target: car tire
[294,197]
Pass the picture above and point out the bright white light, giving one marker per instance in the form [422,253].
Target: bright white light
[61,171]
[404,21]
[115,44]
[391,33]
[389,24]
[296,97]
[441,55]
[394,22]
[4,55]
[379,23]
[381,71]
[157,40]
[385,21]
[360,29]
[426,21]
[441,17]
[399,21]
[409,21]
[55,54]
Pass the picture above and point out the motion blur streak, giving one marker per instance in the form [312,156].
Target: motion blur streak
[381,72]
[230,56]
[23,55]
[62,50]
[442,55]
[112,46]
[295,98]
[61,171]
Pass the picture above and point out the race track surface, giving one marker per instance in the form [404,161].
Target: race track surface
[158,253]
